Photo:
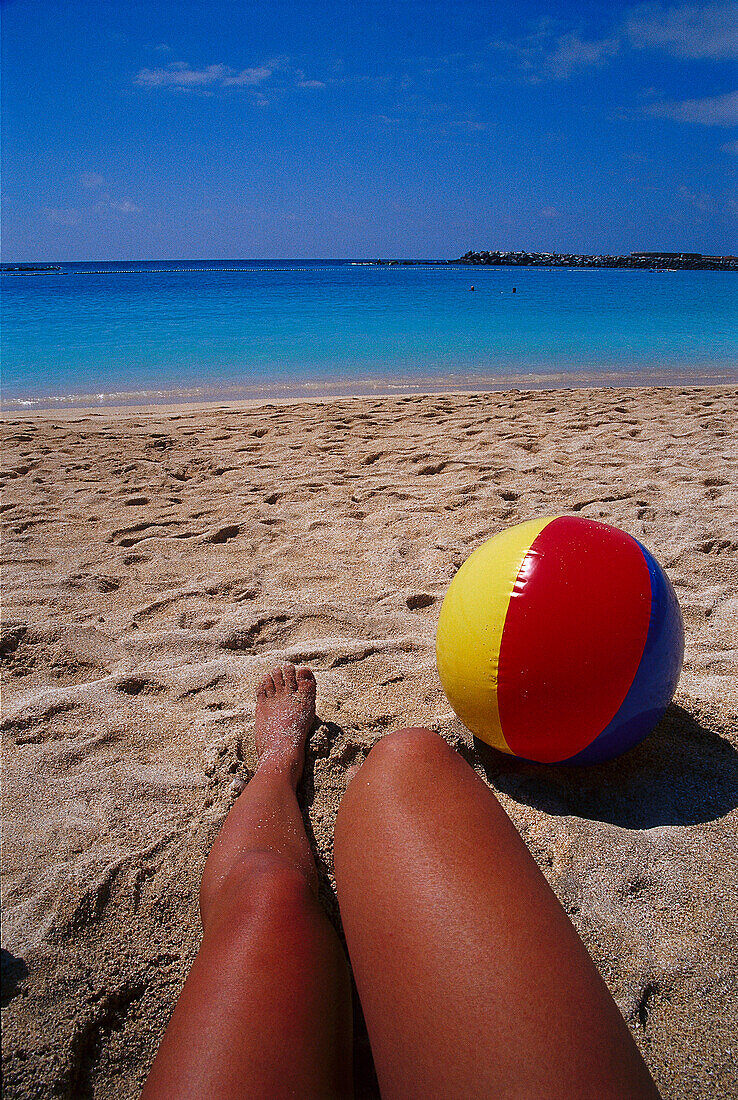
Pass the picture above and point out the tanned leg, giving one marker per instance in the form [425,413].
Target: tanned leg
[266,1009]
[472,979]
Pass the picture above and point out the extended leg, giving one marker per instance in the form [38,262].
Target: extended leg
[472,979]
[266,1009]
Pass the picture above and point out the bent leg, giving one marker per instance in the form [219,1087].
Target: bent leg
[266,1008]
[472,979]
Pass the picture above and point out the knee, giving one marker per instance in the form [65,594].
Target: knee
[262,889]
[407,758]
[406,751]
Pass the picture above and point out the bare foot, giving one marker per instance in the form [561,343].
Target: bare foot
[285,712]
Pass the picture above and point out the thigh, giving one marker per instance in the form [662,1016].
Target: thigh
[472,979]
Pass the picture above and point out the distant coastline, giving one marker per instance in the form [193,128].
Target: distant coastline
[29,269]
[668,261]
[650,261]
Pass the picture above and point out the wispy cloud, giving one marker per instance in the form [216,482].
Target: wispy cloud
[425,114]
[105,206]
[546,55]
[303,81]
[180,75]
[708,203]
[571,53]
[716,110]
[208,80]
[120,206]
[700,200]
[470,125]
[687,30]
[690,31]
[58,215]
[91,179]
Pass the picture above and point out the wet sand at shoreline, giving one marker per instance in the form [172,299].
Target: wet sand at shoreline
[158,561]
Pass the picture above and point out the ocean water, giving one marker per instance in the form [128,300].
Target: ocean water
[121,333]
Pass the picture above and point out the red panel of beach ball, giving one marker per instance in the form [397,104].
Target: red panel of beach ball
[560,640]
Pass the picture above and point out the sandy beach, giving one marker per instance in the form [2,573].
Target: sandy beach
[158,561]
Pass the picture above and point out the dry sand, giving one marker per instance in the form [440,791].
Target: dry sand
[156,563]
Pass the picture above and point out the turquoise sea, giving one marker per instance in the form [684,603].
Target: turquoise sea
[123,333]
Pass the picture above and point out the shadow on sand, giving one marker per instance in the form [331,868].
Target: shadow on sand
[13,970]
[682,774]
[324,735]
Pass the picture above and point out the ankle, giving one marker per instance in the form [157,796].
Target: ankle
[281,764]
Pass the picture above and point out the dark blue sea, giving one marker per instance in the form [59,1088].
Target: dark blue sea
[124,333]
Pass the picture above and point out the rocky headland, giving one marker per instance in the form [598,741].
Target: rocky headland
[665,261]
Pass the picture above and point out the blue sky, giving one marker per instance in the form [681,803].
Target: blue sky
[213,128]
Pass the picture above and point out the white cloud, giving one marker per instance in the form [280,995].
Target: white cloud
[699,200]
[249,76]
[105,206]
[707,203]
[572,52]
[302,80]
[58,215]
[471,125]
[716,110]
[545,55]
[91,179]
[687,30]
[124,206]
[697,31]
[180,75]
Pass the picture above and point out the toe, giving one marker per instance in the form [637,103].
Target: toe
[278,680]
[290,677]
[305,679]
[268,682]
[262,689]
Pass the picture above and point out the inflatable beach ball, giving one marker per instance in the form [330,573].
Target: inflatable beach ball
[560,639]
